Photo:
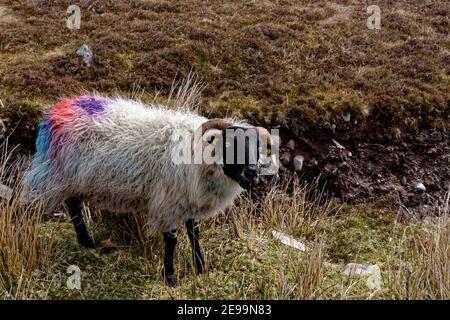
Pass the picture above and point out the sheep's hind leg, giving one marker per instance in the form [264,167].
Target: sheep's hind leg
[193,231]
[170,241]
[74,206]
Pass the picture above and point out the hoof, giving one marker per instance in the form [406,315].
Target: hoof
[87,243]
[199,269]
[199,265]
[171,280]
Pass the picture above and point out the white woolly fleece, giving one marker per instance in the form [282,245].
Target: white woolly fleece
[120,160]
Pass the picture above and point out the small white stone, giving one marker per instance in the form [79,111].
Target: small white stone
[346,117]
[373,282]
[337,144]
[288,240]
[59,214]
[291,144]
[358,269]
[372,271]
[85,52]
[420,186]
[298,162]
[342,164]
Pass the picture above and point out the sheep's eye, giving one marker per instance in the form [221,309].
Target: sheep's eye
[269,151]
[214,140]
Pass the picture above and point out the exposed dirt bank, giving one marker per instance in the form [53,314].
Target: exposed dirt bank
[360,169]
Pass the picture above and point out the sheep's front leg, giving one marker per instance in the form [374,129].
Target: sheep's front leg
[76,215]
[193,231]
[170,241]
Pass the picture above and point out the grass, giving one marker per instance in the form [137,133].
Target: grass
[243,260]
[24,246]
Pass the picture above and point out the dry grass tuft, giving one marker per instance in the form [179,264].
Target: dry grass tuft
[424,267]
[23,248]
[290,205]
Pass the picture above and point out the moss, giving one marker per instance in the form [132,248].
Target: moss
[360,234]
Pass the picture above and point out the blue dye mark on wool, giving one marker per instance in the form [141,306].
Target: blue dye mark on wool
[43,138]
[92,105]
[40,163]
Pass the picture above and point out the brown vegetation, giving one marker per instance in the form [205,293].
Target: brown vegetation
[297,64]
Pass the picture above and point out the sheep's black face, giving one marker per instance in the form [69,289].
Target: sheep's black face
[241,155]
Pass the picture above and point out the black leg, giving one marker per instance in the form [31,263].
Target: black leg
[170,241]
[193,231]
[74,206]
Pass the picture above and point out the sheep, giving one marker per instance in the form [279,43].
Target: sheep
[118,154]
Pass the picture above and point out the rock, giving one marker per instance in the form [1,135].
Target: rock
[358,269]
[289,241]
[59,214]
[372,271]
[342,164]
[338,145]
[85,53]
[373,282]
[346,117]
[298,162]
[291,144]
[420,186]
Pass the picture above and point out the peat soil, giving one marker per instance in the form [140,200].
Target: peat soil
[359,169]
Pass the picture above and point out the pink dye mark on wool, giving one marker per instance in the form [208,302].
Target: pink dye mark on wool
[63,118]
[60,120]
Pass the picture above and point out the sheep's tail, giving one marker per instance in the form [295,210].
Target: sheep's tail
[34,180]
